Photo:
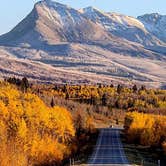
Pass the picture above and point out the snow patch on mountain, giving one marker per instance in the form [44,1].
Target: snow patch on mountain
[67,15]
[124,26]
[112,20]
[155,23]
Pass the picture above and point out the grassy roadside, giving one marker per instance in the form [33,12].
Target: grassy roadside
[143,155]
[86,143]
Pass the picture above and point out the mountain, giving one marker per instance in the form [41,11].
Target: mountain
[122,26]
[56,43]
[135,30]
[155,24]
[50,23]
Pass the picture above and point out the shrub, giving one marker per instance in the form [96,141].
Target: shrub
[145,129]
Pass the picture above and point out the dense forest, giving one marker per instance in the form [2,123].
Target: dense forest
[30,132]
[119,97]
[34,133]
[46,123]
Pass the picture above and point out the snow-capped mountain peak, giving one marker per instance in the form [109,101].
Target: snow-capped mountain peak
[150,18]
[91,10]
[93,13]
[51,4]
[155,24]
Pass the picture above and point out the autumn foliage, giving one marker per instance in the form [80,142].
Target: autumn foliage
[35,128]
[146,129]
[32,133]
[113,97]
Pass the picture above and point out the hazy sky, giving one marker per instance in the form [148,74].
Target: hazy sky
[13,11]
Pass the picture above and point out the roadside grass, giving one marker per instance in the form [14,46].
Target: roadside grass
[85,149]
[143,155]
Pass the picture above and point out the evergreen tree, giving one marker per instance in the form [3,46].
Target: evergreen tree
[99,85]
[135,88]
[52,102]
[67,96]
[93,100]
[119,88]
[143,87]
[65,88]
[104,99]
[24,84]
[111,86]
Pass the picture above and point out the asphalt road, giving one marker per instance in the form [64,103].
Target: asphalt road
[109,149]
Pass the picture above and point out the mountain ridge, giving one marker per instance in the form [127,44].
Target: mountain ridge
[87,41]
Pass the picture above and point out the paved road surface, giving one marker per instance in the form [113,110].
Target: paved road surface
[109,149]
